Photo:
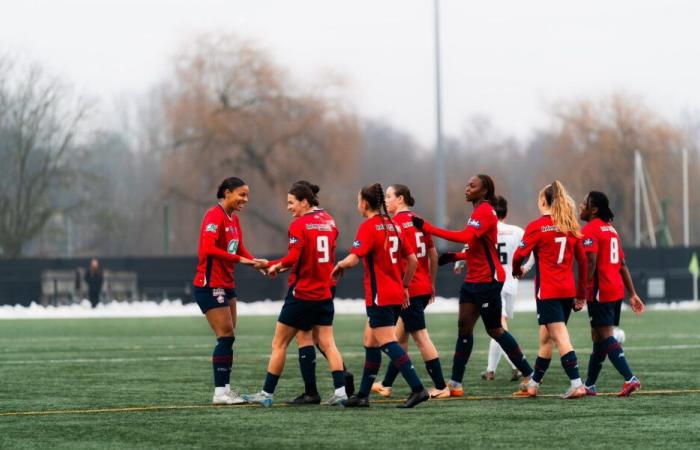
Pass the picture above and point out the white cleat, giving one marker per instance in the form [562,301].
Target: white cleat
[228,398]
[335,400]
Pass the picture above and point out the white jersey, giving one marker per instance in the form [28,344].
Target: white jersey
[509,237]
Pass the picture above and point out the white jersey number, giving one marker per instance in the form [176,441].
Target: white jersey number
[614,251]
[323,248]
[562,247]
[420,245]
[393,249]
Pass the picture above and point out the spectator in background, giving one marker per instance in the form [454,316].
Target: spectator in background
[94,279]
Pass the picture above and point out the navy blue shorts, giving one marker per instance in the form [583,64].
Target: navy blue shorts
[554,310]
[487,297]
[383,316]
[210,298]
[413,317]
[306,314]
[605,314]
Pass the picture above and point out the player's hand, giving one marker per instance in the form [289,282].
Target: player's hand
[457,269]
[406,299]
[272,271]
[260,263]
[579,304]
[337,272]
[637,305]
[432,297]
[418,222]
[447,258]
[517,272]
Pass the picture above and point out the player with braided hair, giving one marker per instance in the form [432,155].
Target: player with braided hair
[378,243]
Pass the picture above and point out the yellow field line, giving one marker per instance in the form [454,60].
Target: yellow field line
[186,407]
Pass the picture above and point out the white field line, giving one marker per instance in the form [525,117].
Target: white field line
[290,355]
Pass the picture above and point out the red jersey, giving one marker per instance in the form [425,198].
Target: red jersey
[220,247]
[381,247]
[312,239]
[554,258]
[421,284]
[601,238]
[481,237]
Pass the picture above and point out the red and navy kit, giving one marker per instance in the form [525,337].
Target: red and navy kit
[382,246]
[481,235]
[312,242]
[421,284]
[601,238]
[220,247]
[554,258]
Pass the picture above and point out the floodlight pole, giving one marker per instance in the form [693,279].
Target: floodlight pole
[637,199]
[686,204]
[440,188]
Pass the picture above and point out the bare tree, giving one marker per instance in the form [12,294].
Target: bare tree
[38,122]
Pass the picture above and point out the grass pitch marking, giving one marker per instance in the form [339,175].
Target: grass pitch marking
[137,409]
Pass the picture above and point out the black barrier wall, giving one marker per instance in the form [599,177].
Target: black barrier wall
[659,275]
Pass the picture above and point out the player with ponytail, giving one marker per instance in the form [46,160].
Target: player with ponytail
[381,246]
[555,240]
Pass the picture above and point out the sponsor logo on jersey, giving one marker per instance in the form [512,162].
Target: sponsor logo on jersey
[608,228]
[233,246]
[547,228]
[587,242]
[474,223]
[319,226]
[211,228]
[356,244]
[521,244]
[293,240]
[382,226]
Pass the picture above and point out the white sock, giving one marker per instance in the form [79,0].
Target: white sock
[533,383]
[495,352]
[228,387]
[576,383]
[454,383]
[219,390]
[266,394]
[340,392]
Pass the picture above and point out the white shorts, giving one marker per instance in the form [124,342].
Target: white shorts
[507,305]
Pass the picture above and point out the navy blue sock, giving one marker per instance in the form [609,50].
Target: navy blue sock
[570,364]
[595,364]
[307,365]
[373,360]
[270,382]
[400,359]
[617,357]
[463,350]
[510,346]
[435,371]
[345,369]
[391,373]
[338,378]
[221,360]
[541,366]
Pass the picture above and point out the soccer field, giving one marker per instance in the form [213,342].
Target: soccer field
[146,383]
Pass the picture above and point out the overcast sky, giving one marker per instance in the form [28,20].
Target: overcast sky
[507,60]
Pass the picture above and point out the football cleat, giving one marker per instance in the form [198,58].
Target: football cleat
[335,400]
[630,386]
[440,393]
[526,390]
[259,397]
[574,392]
[415,398]
[591,391]
[456,389]
[228,398]
[356,402]
[488,375]
[515,375]
[305,399]
[379,388]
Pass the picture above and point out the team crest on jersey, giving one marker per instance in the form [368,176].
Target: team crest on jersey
[356,244]
[211,228]
[522,244]
[293,240]
[587,242]
[474,223]
[233,246]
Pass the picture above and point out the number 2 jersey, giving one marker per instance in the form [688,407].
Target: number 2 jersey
[601,238]
[421,284]
[220,247]
[381,247]
[311,255]
[554,259]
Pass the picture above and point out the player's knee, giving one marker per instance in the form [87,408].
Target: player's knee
[495,332]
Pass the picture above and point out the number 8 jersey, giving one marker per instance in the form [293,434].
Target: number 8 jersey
[381,247]
[601,238]
[311,255]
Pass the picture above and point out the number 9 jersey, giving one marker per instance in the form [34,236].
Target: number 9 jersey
[381,247]
[601,238]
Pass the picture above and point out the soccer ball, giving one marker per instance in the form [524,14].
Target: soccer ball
[619,335]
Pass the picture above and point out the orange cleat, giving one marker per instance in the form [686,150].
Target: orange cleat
[456,389]
[575,392]
[440,393]
[379,388]
[630,386]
